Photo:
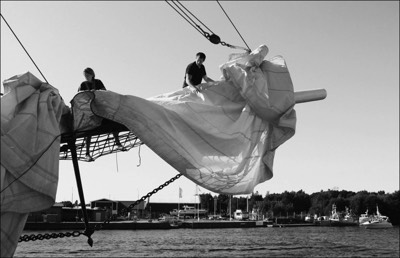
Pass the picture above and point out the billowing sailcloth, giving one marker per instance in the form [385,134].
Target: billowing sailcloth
[223,138]
[30,144]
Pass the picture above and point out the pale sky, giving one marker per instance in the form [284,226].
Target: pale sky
[350,140]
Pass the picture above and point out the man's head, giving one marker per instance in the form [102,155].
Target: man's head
[200,58]
[89,74]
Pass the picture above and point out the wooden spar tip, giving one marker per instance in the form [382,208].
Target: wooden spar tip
[309,95]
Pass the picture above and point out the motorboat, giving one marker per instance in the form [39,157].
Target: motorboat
[188,211]
[240,215]
[378,221]
[175,223]
[364,218]
[382,222]
[338,221]
[334,216]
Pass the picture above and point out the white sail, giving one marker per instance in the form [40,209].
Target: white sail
[223,138]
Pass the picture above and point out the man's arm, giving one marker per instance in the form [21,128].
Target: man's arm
[207,79]
[82,87]
[100,85]
[192,87]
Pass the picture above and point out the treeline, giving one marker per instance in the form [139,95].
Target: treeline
[319,203]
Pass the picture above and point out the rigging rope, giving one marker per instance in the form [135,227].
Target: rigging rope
[116,160]
[197,27]
[194,16]
[24,48]
[213,38]
[233,24]
[72,146]
[33,164]
[140,158]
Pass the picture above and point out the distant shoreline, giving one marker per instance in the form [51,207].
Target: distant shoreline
[142,225]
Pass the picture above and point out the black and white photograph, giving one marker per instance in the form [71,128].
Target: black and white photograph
[200,128]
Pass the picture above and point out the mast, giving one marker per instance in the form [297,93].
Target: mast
[247,206]
[198,204]
[179,199]
[230,207]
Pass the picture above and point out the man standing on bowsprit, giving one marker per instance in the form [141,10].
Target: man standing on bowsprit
[195,72]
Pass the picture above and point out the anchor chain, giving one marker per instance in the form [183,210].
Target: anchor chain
[144,197]
[33,237]
[149,194]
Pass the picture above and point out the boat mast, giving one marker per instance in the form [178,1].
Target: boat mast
[198,204]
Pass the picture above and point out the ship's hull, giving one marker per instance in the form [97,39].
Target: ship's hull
[377,225]
[342,223]
[336,223]
[188,213]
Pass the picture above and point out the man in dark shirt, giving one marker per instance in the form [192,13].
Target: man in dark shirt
[195,73]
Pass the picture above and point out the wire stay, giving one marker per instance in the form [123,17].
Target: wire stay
[233,25]
[23,48]
[211,36]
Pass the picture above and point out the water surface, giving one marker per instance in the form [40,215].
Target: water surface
[238,242]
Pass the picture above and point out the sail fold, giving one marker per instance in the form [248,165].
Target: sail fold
[223,138]
[30,144]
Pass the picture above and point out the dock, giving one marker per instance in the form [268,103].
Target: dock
[146,225]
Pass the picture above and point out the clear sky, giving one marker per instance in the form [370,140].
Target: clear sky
[348,141]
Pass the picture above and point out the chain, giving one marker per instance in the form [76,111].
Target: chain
[144,197]
[213,38]
[151,193]
[32,237]
[231,46]
[225,44]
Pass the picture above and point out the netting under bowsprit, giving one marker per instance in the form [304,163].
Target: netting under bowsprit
[102,143]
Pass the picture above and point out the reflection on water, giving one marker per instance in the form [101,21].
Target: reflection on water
[248,242]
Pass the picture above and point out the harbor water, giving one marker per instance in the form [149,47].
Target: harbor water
[229,242]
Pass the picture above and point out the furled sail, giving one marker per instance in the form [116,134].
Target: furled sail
[223,138]
[30,127]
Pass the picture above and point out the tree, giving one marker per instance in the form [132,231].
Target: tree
[223,203]
[389,205]
[346,194]
[207,201]
[288,197]
[301,202]
[341,203]
[320,203]
[255,197]
[357,202]
[279,209]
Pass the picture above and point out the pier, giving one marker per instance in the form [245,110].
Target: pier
[146,225]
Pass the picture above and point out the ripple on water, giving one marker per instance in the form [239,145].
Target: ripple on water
[272,242]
